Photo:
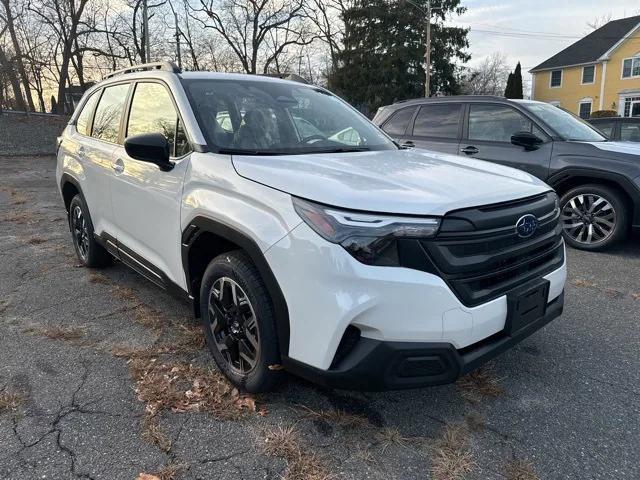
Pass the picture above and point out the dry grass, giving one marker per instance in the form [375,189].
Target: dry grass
[4,304]
[391,436]
[613,292]
[152,432]
[21,218]
[150,318]
[190,339]
[11,400]
[335,417]
[584,283]
[480,383]
[452,459]
[126,294]
[520,470]
[182,387]
[168,472]
[635,296]
[36,240]
[69,334]
[302,463]
[98,278]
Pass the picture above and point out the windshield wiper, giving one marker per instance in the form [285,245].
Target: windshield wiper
[340,150]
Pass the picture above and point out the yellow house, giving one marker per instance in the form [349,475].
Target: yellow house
[599,72]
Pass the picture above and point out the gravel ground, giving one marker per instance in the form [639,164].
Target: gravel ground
[103,376]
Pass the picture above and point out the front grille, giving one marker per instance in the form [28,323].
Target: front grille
[480,255]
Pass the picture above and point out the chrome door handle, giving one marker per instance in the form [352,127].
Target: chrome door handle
[470,150]
[118,166]
[408,144]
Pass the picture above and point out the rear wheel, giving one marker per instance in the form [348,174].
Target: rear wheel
[239,323]
[89,252]
[593,217]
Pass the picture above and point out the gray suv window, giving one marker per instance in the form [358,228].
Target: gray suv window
[496,123]
[440,121]
[106,122]
[399,121]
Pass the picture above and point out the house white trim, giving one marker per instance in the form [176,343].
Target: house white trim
[603,79]
[629,34]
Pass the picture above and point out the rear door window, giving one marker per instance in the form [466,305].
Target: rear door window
[630,132]
[438,121]
[83,123]
[496,123]
[399,121]
[106,122]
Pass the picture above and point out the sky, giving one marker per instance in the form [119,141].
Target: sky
[534,30]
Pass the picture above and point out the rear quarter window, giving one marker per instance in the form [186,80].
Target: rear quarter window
[83,123]
[399,121]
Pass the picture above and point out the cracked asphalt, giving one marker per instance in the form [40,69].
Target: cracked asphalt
[569,401]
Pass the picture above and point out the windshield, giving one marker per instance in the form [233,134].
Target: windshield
[259,117]
[565,124]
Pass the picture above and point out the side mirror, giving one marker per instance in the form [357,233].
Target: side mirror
[527,140]
[149,147]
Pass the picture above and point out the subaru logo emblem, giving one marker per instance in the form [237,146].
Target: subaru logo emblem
[526,225]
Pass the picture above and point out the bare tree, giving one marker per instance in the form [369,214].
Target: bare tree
[250,27]
[9,19]
[488,78]
[598,22]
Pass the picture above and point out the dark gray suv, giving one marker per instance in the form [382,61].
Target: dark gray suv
[598,180]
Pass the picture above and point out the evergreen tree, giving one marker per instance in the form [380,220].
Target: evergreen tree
[509,90]
[514,84]
[517,82]
[383,56]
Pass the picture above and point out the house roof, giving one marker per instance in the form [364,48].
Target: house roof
[592,47]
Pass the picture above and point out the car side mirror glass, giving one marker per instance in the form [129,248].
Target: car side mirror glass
[151,148]
[527,140]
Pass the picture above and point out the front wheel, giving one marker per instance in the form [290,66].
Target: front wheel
[239,322]
[89,252]
[593,217]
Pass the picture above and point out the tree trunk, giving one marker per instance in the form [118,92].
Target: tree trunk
[62,81]
[18,53]
[13,80]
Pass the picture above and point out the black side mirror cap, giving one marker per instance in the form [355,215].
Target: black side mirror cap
[151,148]
[527,140]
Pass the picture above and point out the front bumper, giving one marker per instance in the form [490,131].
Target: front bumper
[375,365]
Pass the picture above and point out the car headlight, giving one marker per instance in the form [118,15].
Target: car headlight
[370,237]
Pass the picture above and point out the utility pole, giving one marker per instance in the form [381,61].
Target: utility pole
[427,53]
[145,25]
[178,33]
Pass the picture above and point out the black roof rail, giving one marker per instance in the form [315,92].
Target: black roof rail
[286,76]
[164,66]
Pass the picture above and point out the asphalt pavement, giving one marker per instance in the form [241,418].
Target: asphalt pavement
[79,350]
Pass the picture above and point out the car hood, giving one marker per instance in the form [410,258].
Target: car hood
[391,181]
[624,148]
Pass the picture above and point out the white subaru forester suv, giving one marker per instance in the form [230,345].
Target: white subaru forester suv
[304,237]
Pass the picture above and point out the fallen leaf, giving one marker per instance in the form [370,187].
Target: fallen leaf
[147,476]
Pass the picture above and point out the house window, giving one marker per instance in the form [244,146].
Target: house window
[556,78]
[631,107]
[631,67]
[585,108]
[588,74]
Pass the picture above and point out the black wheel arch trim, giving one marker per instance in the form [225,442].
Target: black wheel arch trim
[627,185]
[67,178]
[199,225]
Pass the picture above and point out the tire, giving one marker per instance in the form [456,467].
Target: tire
[240,334]
[593,217]
[89,252]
